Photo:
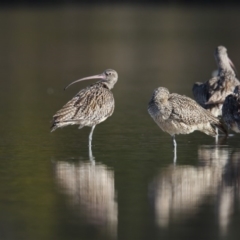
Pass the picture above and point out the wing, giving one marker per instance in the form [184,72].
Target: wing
[221,88]
[91,104]
[186,110]
[218,95]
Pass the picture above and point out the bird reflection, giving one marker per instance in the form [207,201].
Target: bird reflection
[179,191]
[229,190]
[90,187]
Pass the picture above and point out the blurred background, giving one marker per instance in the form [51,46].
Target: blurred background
[50,188]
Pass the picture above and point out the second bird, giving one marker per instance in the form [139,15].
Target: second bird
[91,106]
[178,114]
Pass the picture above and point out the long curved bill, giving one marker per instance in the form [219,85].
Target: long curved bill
[99,76]
[233,67]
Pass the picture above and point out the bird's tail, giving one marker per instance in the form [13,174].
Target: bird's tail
[54,126]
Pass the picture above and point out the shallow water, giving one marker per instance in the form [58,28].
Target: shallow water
[51,188]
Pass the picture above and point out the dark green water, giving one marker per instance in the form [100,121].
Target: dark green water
[49,188]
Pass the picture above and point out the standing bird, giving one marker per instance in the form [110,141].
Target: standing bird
[211,94]
[231,110]
[178,114]
[91,106]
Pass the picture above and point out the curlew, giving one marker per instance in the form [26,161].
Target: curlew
[178,114]
[91,106]
[211,94]
[231,110]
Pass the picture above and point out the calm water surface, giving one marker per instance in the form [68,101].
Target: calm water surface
[51,187]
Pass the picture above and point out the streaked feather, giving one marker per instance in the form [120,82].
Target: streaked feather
[89,107]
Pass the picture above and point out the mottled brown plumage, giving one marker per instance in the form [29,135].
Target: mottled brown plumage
[231,110]
[178,114]
[211,94]
[90,106]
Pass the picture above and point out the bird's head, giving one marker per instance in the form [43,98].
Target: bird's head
[109,77]
[160,94]
[222,59]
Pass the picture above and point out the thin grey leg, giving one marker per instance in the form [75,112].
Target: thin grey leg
[174,141]
[216,137]
[175,155]
[90,135]
[174,149]
[91,157]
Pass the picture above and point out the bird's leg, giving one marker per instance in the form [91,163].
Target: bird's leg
[90,135]
[91,157]
[174,149]
[175,155]
[216,137]
[174,141]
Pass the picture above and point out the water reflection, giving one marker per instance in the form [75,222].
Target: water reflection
[179,191]
[90,187]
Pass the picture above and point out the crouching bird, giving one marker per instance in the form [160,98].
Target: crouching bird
[178,114]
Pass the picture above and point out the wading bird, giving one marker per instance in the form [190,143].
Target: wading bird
[211,94]
[231,110]
[91,106]
[178,114]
